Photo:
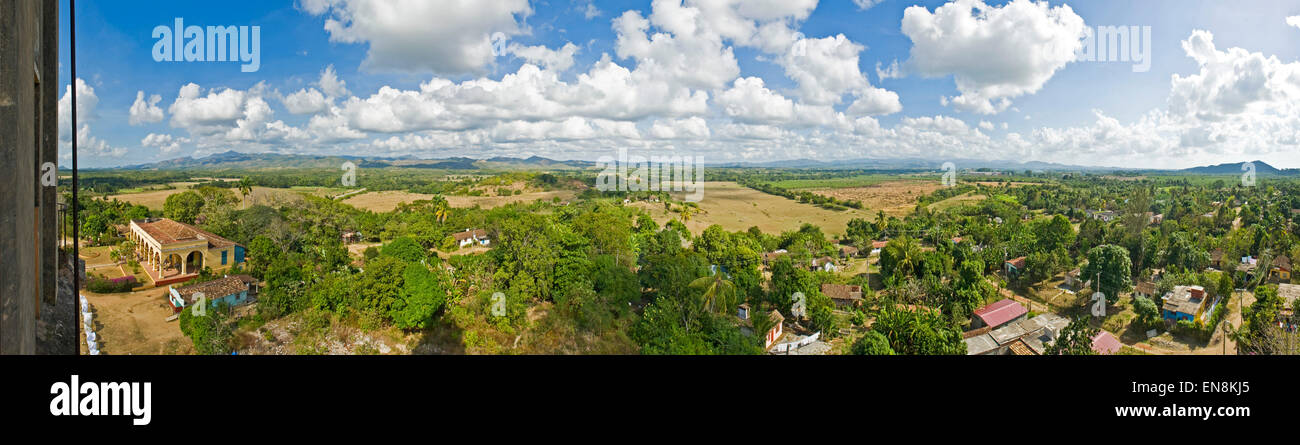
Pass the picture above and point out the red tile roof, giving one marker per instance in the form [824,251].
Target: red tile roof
[166,231]
[1019,263]
[1105,343]
[999,313]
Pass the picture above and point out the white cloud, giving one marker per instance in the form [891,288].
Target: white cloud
[866,4]
[331,84]
[145,112]
[689,128]
[448,37]
[1293,21]
[305,101]
[165,143]
[993,53]
[555,60]
[87,100]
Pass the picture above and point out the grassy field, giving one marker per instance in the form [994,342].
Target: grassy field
[154,199]
[957,201]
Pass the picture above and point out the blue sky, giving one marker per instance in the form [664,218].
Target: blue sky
[416,80]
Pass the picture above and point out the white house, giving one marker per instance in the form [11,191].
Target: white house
[469,237]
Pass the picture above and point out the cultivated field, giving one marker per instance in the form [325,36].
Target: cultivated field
[896,198]
[736,207]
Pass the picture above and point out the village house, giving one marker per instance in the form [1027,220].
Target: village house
[233,290]
[1072,279]
[742,311]
[1144,289]
[1281,269]
[997,314]
[1216,258]
[1289,293]
[1014,267]
[848,251]
[1184,303]
[824,264]
[877,245]
[843,295]
[468,237]
[775,332]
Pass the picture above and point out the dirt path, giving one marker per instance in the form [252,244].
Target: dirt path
[136,323]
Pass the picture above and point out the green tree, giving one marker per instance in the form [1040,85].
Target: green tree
[873,343]
[1113,264]
[1075,339]
[183,207]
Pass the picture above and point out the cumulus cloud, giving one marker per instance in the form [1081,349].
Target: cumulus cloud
[305,101]
[1293,21]
[145,112]
[993,53]
[559,60]
[448,37]
[87,100]
[330,83]
[165,143]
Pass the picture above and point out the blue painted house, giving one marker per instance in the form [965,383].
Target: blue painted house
[233,290]
[1184,303]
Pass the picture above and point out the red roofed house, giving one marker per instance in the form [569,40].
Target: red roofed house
[1105,343]
[998,314]
[164,244]
[1014,267]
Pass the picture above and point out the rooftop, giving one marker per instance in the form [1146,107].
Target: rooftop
[842,291]
[220,287]
[1105,343]
[468,234]
[166,231]
[1185,299]
[1019,263]
[1000,312]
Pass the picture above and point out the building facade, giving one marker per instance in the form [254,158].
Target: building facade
[29,59]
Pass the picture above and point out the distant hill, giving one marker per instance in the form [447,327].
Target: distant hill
[917,164]
[261,161]
[1261,169]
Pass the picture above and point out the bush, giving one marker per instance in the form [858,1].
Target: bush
[101,285]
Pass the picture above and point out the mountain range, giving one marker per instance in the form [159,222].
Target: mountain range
[237,160]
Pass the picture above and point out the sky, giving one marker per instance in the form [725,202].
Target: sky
[724,80]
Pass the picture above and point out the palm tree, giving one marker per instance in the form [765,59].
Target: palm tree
[246,188]
[440,208]
[717,292]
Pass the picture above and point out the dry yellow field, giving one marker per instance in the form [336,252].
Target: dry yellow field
[735,208]
[896,198]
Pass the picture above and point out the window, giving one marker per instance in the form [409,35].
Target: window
[223,257]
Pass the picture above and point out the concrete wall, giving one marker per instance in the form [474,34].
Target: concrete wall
[28,134]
